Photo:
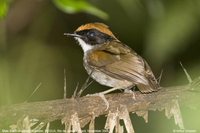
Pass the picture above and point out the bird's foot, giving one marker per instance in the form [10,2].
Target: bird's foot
[129,91]
[102,96]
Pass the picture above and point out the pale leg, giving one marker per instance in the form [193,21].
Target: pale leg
[110,90]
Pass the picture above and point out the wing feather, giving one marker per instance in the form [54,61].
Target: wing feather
[121,62]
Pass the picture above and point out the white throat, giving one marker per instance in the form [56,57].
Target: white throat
[84,45]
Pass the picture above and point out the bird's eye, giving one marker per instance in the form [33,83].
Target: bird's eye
[90,34]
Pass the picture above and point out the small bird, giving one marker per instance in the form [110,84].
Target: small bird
[112,63]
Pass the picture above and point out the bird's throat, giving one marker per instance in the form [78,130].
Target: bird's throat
[84,45]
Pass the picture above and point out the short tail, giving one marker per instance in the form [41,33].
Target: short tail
[147,88]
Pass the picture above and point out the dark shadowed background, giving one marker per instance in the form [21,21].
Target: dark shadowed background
[33,49]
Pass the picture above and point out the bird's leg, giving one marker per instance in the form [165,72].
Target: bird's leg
[102,95]
[110,90]
[128,90]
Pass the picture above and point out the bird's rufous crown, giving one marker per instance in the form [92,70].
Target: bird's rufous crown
[98,26]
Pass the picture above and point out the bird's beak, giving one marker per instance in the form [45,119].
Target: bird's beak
[72,35]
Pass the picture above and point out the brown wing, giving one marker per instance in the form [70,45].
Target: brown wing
[121,62]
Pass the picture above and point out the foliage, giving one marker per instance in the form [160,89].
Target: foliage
[3,8]
[33,49]
[74,6]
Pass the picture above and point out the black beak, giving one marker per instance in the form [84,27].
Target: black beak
[72,35]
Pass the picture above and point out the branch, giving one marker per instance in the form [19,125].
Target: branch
[88,107]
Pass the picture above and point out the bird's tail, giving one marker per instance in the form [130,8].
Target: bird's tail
[152,85]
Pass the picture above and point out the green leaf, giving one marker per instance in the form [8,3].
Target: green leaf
[3,8]
[74,6]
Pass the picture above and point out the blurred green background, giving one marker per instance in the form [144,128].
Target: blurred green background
[33,49]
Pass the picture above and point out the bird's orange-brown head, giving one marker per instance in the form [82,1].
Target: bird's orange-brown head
[98,26]
[92,34]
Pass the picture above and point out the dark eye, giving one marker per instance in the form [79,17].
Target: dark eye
[91,34]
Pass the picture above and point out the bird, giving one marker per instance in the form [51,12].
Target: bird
[112,63]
